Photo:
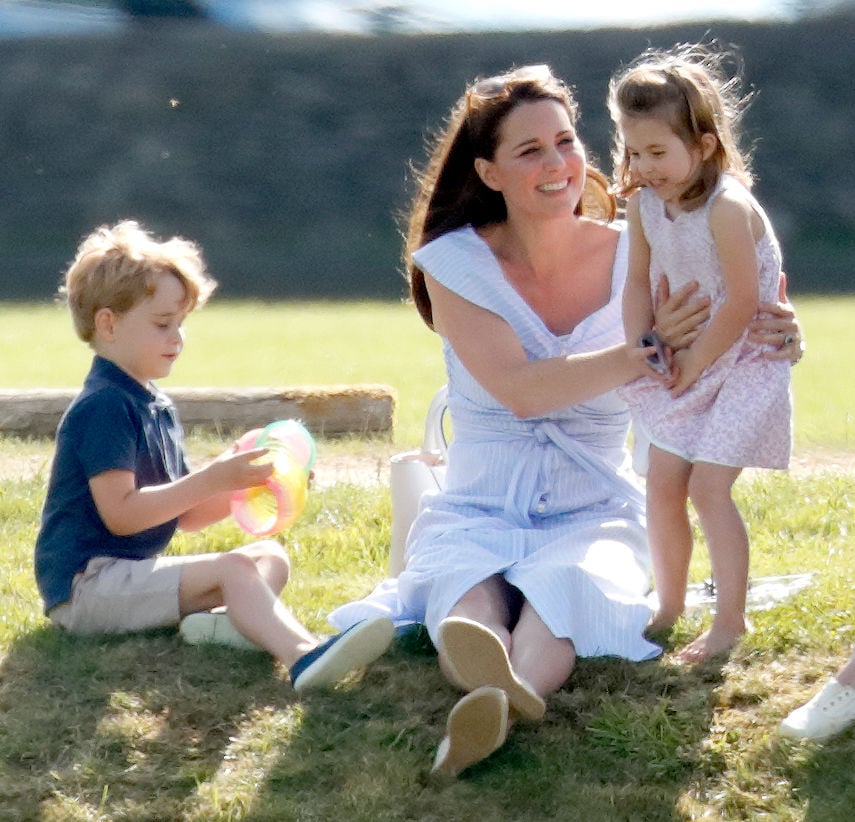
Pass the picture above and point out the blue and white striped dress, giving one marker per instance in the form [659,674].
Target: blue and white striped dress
[543,501]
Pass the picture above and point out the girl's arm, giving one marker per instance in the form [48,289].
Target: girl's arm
[492,353]
[637,299]
[126,509]
[734,225]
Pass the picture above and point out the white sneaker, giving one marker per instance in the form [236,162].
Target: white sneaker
[831,711]
[206,627]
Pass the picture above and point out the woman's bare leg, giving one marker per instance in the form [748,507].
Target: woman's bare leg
[490,603]
[499,649]
[537,655]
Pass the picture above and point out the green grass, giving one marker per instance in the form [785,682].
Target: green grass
[147,728]
[246,343]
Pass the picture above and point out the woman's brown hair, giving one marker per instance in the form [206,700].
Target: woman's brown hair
[450,193]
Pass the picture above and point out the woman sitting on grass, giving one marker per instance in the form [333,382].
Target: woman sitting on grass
[535,552]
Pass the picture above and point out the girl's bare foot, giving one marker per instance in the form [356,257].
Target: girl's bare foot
[718,640]
[660,622]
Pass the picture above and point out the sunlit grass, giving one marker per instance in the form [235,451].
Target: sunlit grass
[147,728]
[823,382]
[248,344]
[293,343]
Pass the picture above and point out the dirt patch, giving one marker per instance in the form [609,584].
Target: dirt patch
[354,470]
[20,461]
[821,460]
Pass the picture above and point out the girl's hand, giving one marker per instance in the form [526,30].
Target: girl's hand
[686,370]
[678,316]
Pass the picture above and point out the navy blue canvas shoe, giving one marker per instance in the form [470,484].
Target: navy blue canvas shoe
[354,648]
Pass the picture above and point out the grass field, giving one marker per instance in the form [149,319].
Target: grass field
[246,343]
[147,728]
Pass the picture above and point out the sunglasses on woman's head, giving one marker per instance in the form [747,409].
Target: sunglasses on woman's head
[498,84]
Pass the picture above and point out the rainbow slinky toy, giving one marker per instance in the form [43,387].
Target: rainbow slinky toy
[267,509]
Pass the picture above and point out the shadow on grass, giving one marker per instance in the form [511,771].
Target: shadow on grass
[144,727]
[824,779]
[618,742]
[134,722]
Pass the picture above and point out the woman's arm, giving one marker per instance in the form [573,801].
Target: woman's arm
[679,317]
[491,351]
[777,324]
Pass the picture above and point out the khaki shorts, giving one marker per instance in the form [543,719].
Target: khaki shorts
[113,596]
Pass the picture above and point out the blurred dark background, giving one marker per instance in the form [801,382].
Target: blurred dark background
[286,156]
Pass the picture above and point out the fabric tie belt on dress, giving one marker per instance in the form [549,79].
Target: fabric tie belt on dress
[538,434]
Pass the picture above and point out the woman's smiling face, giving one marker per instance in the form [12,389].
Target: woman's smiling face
[539,163]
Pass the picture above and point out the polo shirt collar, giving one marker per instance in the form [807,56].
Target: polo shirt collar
[104,369]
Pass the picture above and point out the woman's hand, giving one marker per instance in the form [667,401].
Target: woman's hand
[776,324]
[679,316]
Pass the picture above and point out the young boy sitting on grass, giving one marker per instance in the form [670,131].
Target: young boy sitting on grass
[120,484]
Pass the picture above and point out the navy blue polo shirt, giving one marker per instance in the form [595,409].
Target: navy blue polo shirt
[114,423]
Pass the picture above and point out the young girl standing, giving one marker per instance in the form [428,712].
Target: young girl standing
[724,406]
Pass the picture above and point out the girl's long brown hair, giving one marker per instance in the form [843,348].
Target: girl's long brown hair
[687,87]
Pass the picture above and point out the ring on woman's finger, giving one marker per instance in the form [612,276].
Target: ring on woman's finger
[789,339]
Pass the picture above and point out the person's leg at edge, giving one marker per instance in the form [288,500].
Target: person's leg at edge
[829,712]
[710,491]
[241,582]
[846,675]
[669,534]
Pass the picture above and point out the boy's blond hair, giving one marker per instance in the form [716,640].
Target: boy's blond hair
[117,267]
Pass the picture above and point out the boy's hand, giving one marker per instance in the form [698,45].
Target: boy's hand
[232,470]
